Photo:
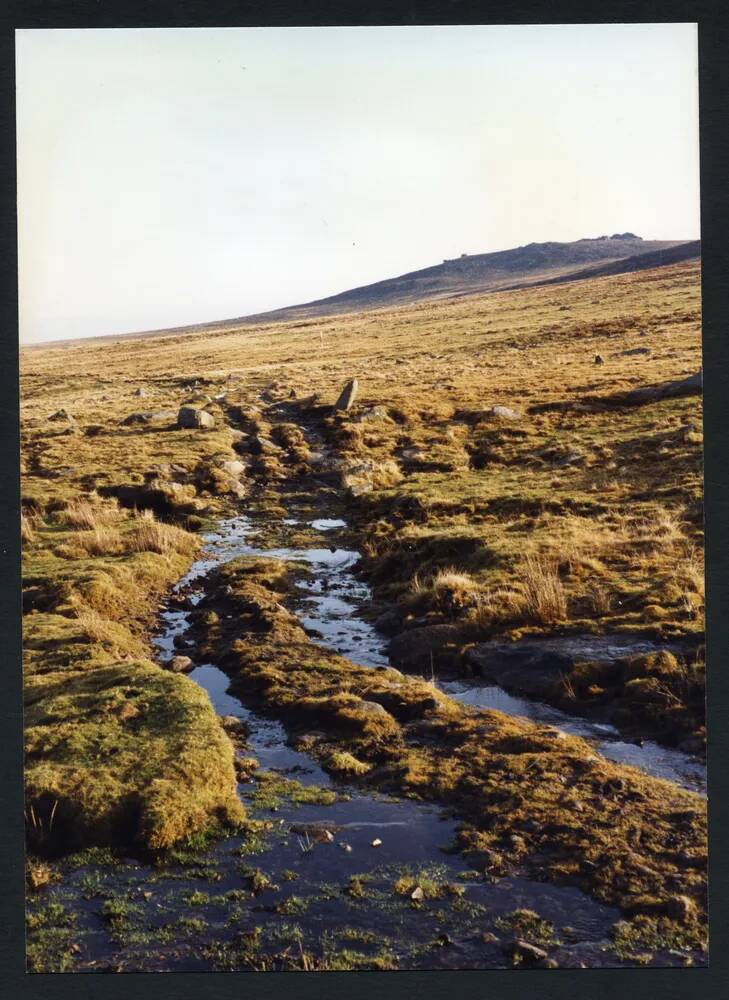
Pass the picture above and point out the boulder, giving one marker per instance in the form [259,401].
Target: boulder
[191,417]
[419,648]
[180,664]
[504,412]
[347,395]
[691,386]
[530,669]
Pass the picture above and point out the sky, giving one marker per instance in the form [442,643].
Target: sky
[176,176]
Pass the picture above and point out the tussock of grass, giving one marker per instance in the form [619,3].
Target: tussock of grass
[544,597]
[150,535]
[89,514]
[345,763]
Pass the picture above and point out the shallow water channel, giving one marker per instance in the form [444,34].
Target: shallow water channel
[328,879]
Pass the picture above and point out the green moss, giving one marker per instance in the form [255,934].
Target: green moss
[272,790]
[121,754]
[645,933]
[528,925]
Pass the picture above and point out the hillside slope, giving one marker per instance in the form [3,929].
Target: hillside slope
[536,263]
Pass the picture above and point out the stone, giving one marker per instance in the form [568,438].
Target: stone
[680,908]
[139,392]
[62,415]
[259,444]
[233,468]
[191,417]
[136,418]
[417,894]
[373,413]
[180,664]
[528,953]
[371,708]
[347,395]
[504,412]
[633,351]
[598,359]
[691,386]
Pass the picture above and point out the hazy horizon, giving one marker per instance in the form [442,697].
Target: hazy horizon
[168,177]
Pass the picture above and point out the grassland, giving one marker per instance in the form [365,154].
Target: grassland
[573,514]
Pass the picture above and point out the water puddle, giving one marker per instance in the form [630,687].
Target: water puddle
[649,757]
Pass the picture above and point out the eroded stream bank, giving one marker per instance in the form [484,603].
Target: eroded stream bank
[328,875]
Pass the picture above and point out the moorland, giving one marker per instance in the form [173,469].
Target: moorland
[520,476]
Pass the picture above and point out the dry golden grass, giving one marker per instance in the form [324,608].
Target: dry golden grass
[544,596]
[89,514]
[100,541]
[150,535]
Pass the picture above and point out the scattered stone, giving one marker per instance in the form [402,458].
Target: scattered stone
[136,418]
[524,951]
[504,412]
[417,894]
[180,664]
[347,395]
[373,413]
[376,842]
[371,708]
[598,359]
[347,848]
[316,832]
[233,468]
[191,417]
[62,415]
[259,444]
[571,458]
[139,392]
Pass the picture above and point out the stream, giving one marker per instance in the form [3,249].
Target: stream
[327,879]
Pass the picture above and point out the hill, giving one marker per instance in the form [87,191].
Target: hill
[536,263]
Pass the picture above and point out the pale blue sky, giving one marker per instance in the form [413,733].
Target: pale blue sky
[173,176]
